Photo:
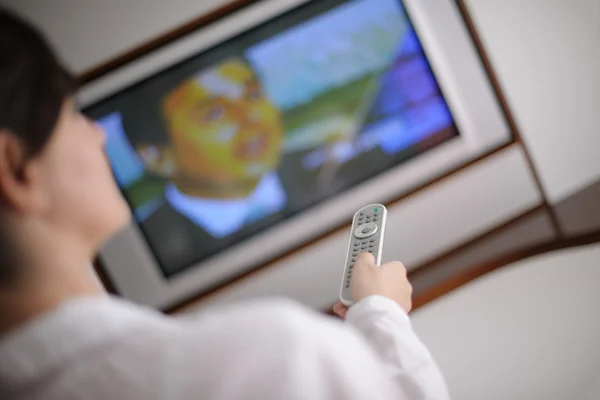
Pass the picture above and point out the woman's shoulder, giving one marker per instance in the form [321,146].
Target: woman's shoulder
[256,342]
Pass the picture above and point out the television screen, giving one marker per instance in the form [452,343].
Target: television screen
[270,123]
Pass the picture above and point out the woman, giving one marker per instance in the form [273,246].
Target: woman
[61,337]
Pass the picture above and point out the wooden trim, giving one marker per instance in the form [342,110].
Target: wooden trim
[433,262]
[478,271]
[160,41]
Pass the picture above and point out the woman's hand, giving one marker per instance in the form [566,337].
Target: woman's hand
[388,280]
[340,310]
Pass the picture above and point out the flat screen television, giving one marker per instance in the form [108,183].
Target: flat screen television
[270,127]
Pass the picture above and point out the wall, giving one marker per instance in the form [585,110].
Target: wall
[528,331]
[547,57]
[594,9]
[88,32]
[590,390]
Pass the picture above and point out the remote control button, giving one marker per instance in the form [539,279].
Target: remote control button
[355,254]
[372,245]
[371,250]
[372,240]
[366,231]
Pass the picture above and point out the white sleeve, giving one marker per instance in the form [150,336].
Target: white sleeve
[284,351]
[387,328]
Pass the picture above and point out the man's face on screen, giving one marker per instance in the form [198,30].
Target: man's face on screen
[223,129]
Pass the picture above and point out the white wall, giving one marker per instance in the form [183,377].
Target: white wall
[88,32]
[594,7]
[591,390]
[547,56]
[525,332]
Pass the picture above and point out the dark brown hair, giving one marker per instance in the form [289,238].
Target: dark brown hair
[33,87]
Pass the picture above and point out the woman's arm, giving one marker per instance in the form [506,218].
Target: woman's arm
[388,330]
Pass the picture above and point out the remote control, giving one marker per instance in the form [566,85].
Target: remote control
[368,227]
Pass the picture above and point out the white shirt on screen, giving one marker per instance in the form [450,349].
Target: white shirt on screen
[104,348]
[222,217]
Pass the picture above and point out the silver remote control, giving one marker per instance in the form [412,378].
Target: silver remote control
[368,228]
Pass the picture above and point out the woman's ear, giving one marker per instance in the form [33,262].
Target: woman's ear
[19,184]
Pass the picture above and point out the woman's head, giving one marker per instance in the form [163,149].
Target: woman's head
[55,181]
